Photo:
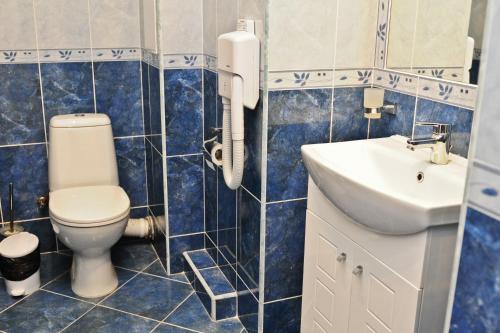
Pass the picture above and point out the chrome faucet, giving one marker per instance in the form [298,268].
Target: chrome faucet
[439,142]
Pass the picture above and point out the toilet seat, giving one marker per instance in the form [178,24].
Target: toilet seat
[89,206]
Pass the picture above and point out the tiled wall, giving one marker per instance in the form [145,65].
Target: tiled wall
[477,303]
[61,57]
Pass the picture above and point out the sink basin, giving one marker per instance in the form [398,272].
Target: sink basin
[381,184]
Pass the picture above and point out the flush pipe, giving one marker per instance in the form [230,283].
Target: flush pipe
[142,228]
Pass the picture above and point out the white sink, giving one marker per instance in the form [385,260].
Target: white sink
[375,182]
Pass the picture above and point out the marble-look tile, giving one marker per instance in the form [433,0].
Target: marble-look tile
[21,119]
[29,183]
[401,123]
[17,25]
[165,328]
[216,281]
[209,102]
[155,102]
[156,301]
[201,259]
[106,320]
[185,194]
[226,206]
[191,314]
[118,94]
[296,117]
[460,119]
[62,285]
[130,156]
[283,316]
[154,168]
[252,172]
[348,121]
[43,230]
[477,301]
[285,233]
[52,265]
[160,246]
[210,27]
[225,308]
[145,97]
[5,299]
[138,212]
[210,197]
[180,244]
[249,238]
[183,111]
[226,242]
[248,307]
[47,312]
[67,88]
[136,256]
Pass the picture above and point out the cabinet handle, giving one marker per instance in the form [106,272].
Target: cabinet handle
[342,257]
[358,270]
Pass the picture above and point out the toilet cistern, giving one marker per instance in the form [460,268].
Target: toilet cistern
[439,142]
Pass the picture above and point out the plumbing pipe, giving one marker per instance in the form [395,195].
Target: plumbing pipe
[142,228]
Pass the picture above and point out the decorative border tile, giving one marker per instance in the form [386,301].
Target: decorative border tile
[453,73]
[449,92]
[300,79]
[66,55]
[484,188]
[183,60]
[353,77]
[116,54]
[150,58]
[384,11]
[210,62]
[391,80]
[18,56]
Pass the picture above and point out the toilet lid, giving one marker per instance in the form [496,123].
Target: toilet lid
[89,204]
[18,245]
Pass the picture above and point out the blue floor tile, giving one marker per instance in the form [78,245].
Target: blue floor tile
[47,312]
[149,296]
[216,281]
[191,314]
[52,265]
[62,285]
[164,328]
[103,320]
[136,256]
[5,299]
[157,269]
[201,259]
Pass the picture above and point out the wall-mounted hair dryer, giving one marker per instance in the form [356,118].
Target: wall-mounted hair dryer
[238,67]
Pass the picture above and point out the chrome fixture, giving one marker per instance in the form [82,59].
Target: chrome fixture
[42,201]
[439,142]
[12,228]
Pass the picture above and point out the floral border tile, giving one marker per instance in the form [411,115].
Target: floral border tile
[18,56]
[353,77]
[300,79]
[210,62]
[484,188]
[449,92]
[183,60]
[453,74]
[116,54]
[384,10]
[150,58]
[65,55]
[396,81]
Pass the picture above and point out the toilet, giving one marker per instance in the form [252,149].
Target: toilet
[88,209]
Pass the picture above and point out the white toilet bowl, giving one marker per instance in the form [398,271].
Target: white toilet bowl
[90,220]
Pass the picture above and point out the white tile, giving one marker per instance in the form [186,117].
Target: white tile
[252,9]
[115,23]
[398,81]
[62,24]
[210,27]
[302,34]
[449,92]
[357,23]
[182,26]
[227,16]
[17,25]
[148,25]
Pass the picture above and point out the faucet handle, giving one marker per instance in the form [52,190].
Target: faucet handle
[437,128]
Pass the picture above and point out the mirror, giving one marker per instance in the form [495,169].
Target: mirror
[440,38]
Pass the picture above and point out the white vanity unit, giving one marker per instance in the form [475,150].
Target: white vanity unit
[380,237]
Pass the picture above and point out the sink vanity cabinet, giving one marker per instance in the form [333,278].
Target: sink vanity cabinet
[358,280]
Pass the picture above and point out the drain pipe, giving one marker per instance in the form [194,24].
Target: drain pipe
[142,228]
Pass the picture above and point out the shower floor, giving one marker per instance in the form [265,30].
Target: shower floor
[146,300]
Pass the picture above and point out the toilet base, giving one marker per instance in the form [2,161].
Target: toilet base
[93,276]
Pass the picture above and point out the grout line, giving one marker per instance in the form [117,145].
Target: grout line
[92,55]
[251,194]
[185,155]
[192,234]
[283,299]
[173,310]
[284,201]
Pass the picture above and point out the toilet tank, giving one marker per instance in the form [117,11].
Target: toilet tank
[81,151]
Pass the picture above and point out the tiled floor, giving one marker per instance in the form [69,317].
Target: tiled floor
[147,300]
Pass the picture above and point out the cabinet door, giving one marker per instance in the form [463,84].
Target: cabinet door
[381,301]
[325,301]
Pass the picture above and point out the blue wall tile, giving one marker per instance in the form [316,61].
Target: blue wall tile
[296,117]
[210,201]
[154,101]
[401,123]
[29,183]
[252,172]
[67,88]
[21,117]
[183,111]
[130,155]
[348,121]
[209,102]
[180,244]
[185,194]
[226,204]
[248,238]
[160,246]
[248,307]
[460,119]
[285,233]
[477,300]
[283,316]
[118,94]
[145,97]
[155,175]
